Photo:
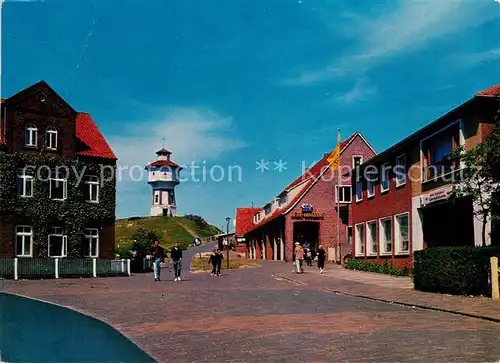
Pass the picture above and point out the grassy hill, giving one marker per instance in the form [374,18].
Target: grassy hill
[169,229]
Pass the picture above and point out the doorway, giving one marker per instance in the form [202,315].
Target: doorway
[306,232]
[449,224]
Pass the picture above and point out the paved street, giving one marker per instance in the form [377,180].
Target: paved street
[249,315]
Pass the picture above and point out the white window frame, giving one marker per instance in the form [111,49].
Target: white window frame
[337,189]
[385,174]
[57,178]
[156,197]
[461,127]
[58,232]
[370,184]
[381,236]
[24,177]
[51,135]
[360,183]
[397,243]
[360,246]
[91,235]
[354,157]
[404,171]
[24,235]
[369,241]
[33,135]
[92,181]
[349,242]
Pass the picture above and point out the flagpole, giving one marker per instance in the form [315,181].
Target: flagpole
[338,198]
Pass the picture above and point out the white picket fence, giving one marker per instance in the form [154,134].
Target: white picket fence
[21,268]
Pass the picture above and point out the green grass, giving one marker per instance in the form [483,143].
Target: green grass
[169,229]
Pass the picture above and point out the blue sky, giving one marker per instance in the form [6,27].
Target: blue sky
[233,82]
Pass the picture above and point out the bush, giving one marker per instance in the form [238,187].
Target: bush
[454,270]
[385,268]
[143,242]
[124,252]
[134,218]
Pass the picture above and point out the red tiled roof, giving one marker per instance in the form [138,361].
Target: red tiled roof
[309,177]
[163,151]
[493,91]
[162,163]
[244,220]
[90,135]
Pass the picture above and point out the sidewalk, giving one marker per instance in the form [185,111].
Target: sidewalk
[397,290]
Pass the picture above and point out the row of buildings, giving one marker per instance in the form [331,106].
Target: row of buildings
[55,217]
[381,207]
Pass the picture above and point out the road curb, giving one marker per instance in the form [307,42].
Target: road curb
[415,306]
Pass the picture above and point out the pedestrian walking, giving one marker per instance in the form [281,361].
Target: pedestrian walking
[220,258]
[213,260]
[158,257]
[176,258]
[299,257]
[321,259]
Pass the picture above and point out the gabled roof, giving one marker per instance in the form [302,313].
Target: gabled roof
[163,152]
[90,140]
[90,135]
[307,175]
[244,220]
[40,86]
[308,179]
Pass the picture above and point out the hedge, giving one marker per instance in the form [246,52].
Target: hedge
[385,268]
[454,270]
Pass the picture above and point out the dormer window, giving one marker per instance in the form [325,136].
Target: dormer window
[51,138]
[30,135]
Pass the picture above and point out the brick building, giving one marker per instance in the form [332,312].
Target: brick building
[401,196]
[57,179]
[306,210]
[244,223]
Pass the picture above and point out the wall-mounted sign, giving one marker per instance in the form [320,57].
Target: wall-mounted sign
[307,208]
[308,215]
[437,195]
[241,239]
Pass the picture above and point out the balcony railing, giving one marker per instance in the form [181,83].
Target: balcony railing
[36,268]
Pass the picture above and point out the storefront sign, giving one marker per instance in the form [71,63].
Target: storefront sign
[440,194]
[307,208]
[299,215]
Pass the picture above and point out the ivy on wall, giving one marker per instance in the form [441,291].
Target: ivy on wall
[41,212]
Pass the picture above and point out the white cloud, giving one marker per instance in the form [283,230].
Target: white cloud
[192,134]
[409,26]
[361,90]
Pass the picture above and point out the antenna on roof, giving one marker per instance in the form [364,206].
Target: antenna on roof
[163,143]
[252,204]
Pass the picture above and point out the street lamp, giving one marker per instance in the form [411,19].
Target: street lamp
[228,219]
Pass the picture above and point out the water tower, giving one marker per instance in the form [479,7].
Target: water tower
[163,176]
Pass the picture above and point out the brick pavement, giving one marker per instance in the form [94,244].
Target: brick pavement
[249,316]
[394,289]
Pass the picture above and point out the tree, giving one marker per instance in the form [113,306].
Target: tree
[143,242]
[479,176]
